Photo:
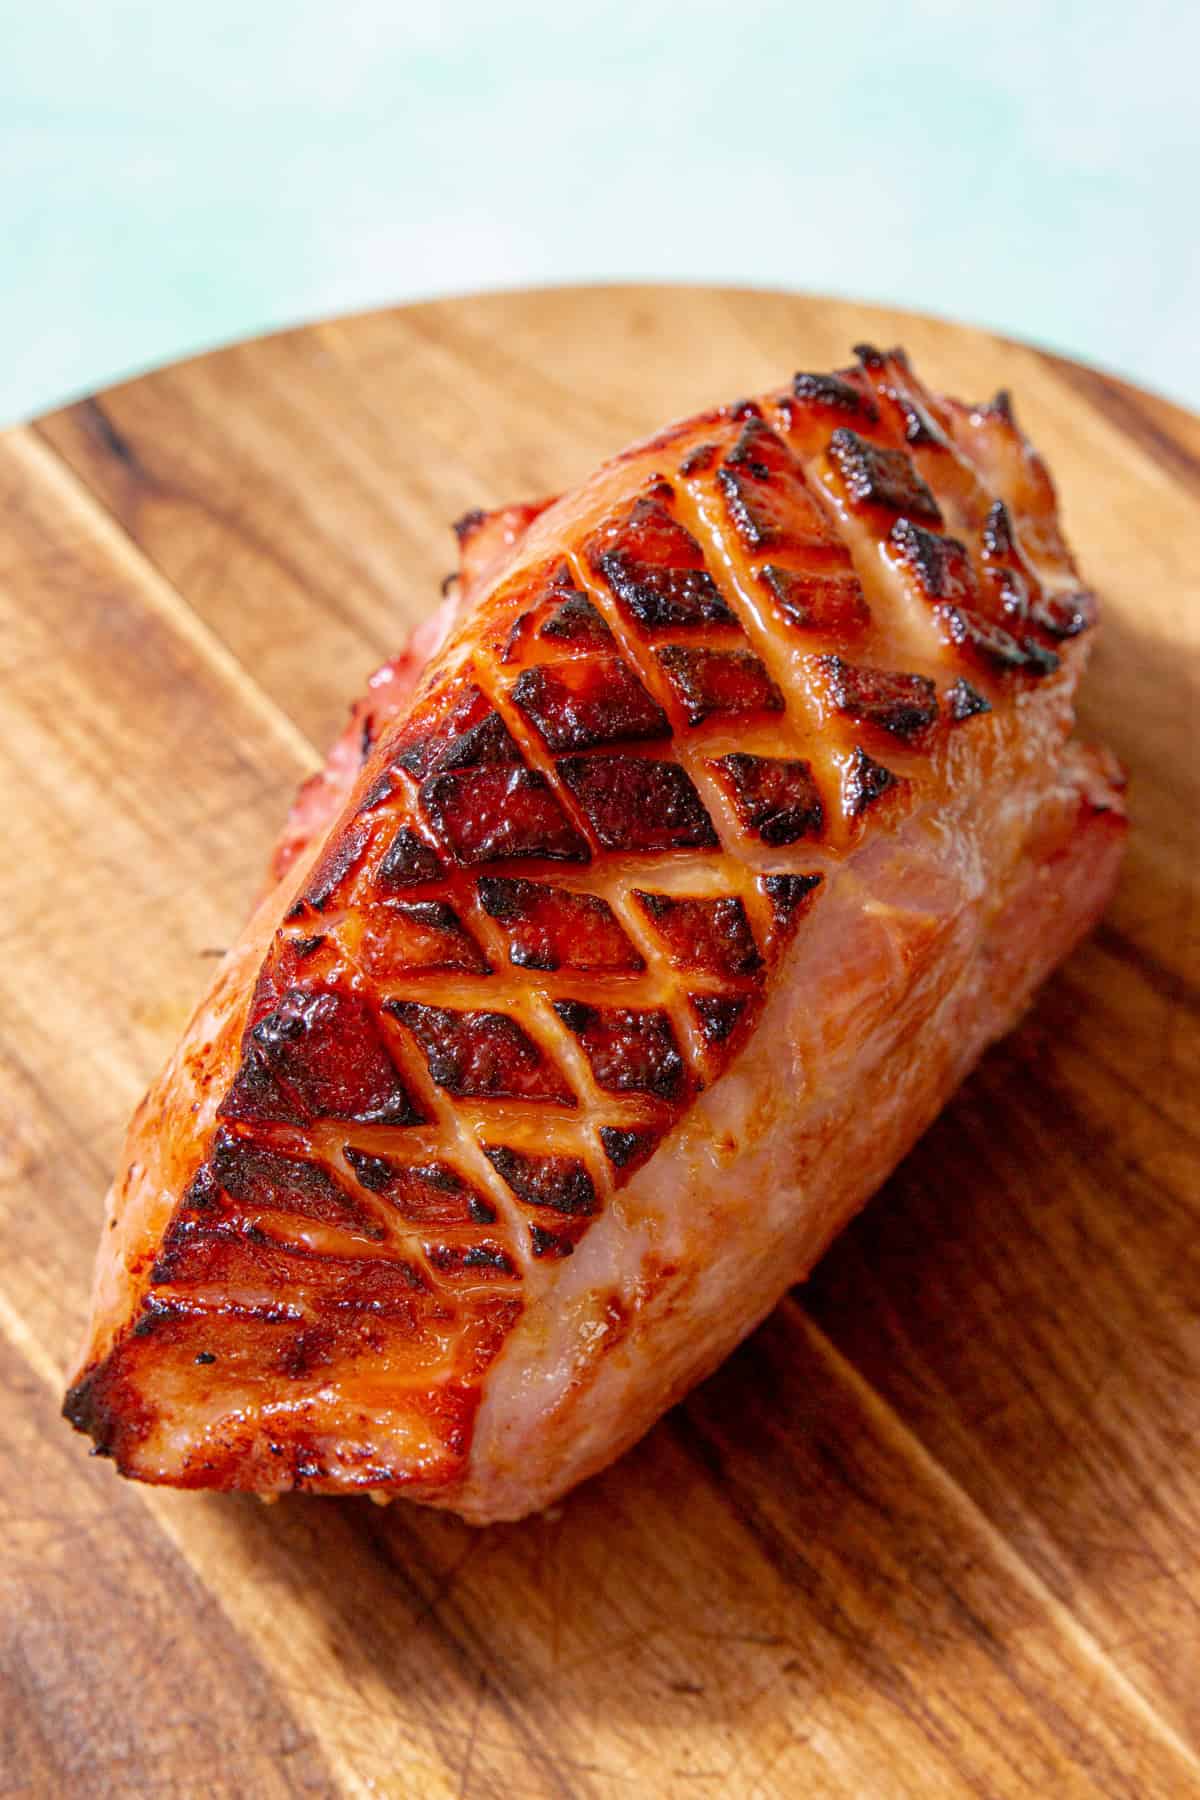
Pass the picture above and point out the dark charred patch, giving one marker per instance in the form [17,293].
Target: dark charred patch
[155,1316]
[464,528]
[1038,659]
[712,935]
[766,494]
[698,459]
[458,729]
[866,782]
[1064,615]
[255,1093]
[665,599]
[424,1194]
[637,804]
[655,568]
[993,644]
[775,799]
[631,1050]
[1020,595]
[581,704]
[889,374]
[552,928]
[964,701]
[201,1192]
[575,620]
[334,866]
[627,1150]
[304,946]
[553,609]
[870,356]
[998,541]
[919,428]
[790,897]
[903,705]
[718,683]
[758,449]
[470,1260]
[404,935]
[560,1183]
[487,815]
[830,601]
[267,1180]
[718,1015]
[83,1408]
[835,393]
[876,477]
[939,565]
[372,1171]
[318,1055]
[409,861]
[550,1243]
[381,789]
[487,742]
[481,1055]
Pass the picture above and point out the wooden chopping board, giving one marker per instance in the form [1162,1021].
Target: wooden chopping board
[933,1530]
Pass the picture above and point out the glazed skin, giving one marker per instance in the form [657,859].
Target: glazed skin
[616,957]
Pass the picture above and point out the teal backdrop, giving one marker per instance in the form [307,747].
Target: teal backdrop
[173,176]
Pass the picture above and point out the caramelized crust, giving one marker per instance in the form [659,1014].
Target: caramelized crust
[318,1054]
[885,479]
[817,600]
[905,706]
[481,1055]
[717,684]
[554,892]
[487,816]
[580,705]
[549,927]
[656,569]
[699,934]
[774,798]
[631,1050]
[636,805]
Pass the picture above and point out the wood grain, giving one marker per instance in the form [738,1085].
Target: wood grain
[931,1532]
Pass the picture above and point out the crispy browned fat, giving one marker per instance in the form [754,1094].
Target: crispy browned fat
[618,954]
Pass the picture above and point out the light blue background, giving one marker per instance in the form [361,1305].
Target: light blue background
[172,176]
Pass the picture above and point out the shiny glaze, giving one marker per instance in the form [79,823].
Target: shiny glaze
[468,1101]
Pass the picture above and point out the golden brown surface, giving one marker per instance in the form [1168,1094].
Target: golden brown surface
[1023,1600]
[648,932]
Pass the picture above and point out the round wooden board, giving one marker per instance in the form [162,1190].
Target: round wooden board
[932,1530]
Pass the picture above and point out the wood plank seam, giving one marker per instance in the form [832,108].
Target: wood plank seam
[1118,407]
[162,1503]
[915,1449]
[891,1424]
[38,1359]
[49,468]
[1139,454]
[52,471]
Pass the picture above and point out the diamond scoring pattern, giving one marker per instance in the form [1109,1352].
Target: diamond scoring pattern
[578,862]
